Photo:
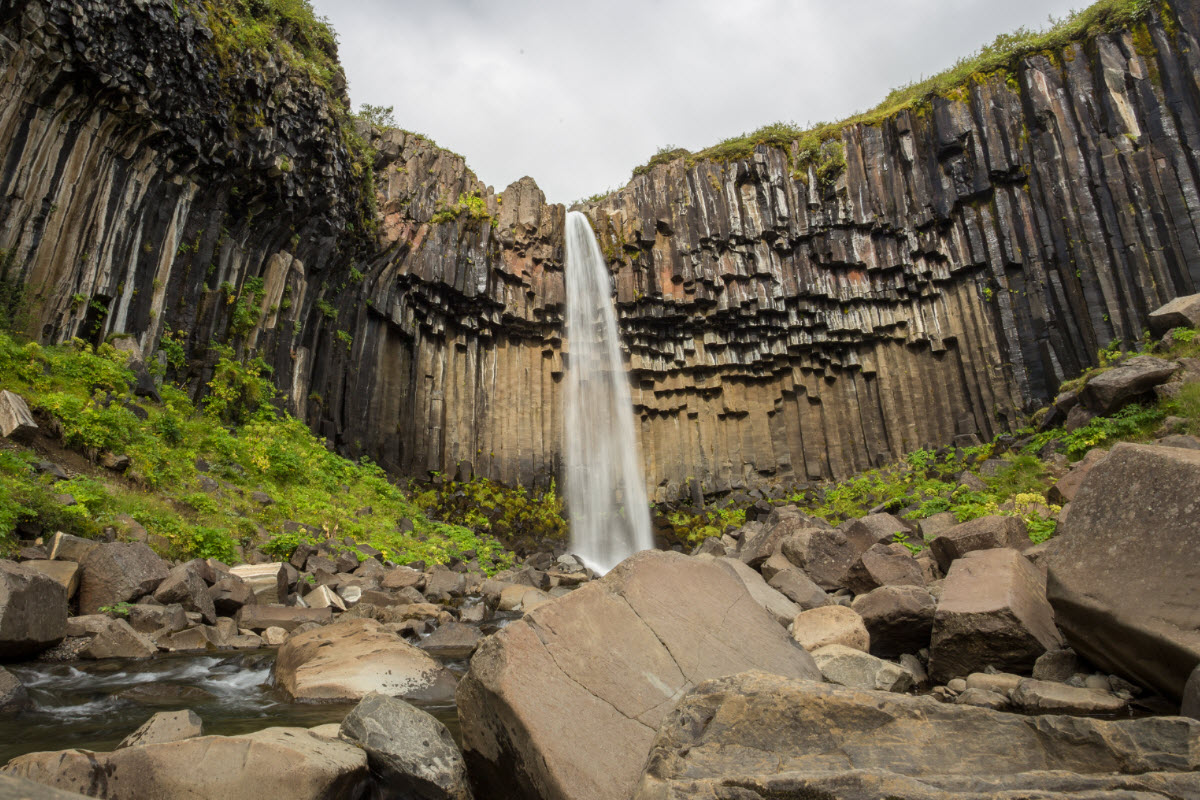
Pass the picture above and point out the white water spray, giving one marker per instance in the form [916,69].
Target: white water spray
[610,519]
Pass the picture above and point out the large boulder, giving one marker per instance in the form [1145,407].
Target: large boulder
[33,612]
[110,638]
[1125,567]
[291,762]
[992,613]
[826,556]
[119,572]
[1108,391]
[564,702]
[873,529]
[793,584]
[879,566]
[348,660]
[1182,312]
[408,750]
[983,533]
[899,619]
[757,736]
[64,572]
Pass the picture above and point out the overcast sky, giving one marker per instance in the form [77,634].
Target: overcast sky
[577,94]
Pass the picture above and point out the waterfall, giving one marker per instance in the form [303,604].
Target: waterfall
[606,497]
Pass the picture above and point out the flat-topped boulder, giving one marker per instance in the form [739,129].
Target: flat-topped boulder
[564,702]
[1182,312]
[984,533]
[268,582]
[260,617]
[33,611]
[348,660]
[292,762]
[1113,388]
[1124,569]
[993,612]
[764,736]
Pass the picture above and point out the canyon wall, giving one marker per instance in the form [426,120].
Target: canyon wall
[783,323]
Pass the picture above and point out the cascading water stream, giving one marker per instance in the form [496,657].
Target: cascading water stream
[606,497]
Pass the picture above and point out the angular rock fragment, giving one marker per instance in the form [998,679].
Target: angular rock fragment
[165,726]
[983,533]
[858,670]
[119,572]
[828,625]
[898,619]
[993,613]
[1108,391]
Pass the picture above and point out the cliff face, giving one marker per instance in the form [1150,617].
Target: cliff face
[782,325]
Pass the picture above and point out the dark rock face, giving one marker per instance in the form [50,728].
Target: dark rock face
[753,735]
[33,612]
[1123,570]
[797,327]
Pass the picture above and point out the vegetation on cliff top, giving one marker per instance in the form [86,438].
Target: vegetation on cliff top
[203,481]
[1002,56]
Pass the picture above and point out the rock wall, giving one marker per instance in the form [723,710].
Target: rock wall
[781,326]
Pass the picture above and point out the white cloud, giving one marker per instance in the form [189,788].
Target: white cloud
[578,94]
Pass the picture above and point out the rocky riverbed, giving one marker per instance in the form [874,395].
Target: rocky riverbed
[786,658]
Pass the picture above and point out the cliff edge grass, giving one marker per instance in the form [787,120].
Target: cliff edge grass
[817,146]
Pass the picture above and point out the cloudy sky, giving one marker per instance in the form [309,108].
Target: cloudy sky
[577,94]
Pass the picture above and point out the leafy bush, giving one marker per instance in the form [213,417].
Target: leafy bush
[1131,422]
[694,526]
[524,521]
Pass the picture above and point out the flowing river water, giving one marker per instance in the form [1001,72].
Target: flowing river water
[93,705]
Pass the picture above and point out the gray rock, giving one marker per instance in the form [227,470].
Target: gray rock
[1108,391]
[881,566]
[871,530]
[65,547]
[33,611]
[1191,696]
[229,594]
[15,420]
[155,619]
[452,641]
[993,612]
[166,726]
[793,584]
[1046,697]
[982,698]
[13,696]
[899,619]
[1121,572]
[1182,312]
[858,670]
[984,533]
[119,572]
[756,736]
[185,585]
[408,749]
[826,556]
[114,638]
[1056,665]
[258,618]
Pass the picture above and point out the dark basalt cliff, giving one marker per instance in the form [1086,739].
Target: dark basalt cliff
[781,325]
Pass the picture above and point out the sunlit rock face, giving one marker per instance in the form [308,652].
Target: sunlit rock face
[779,325]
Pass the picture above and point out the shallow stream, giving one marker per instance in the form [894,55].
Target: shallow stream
[93,705]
